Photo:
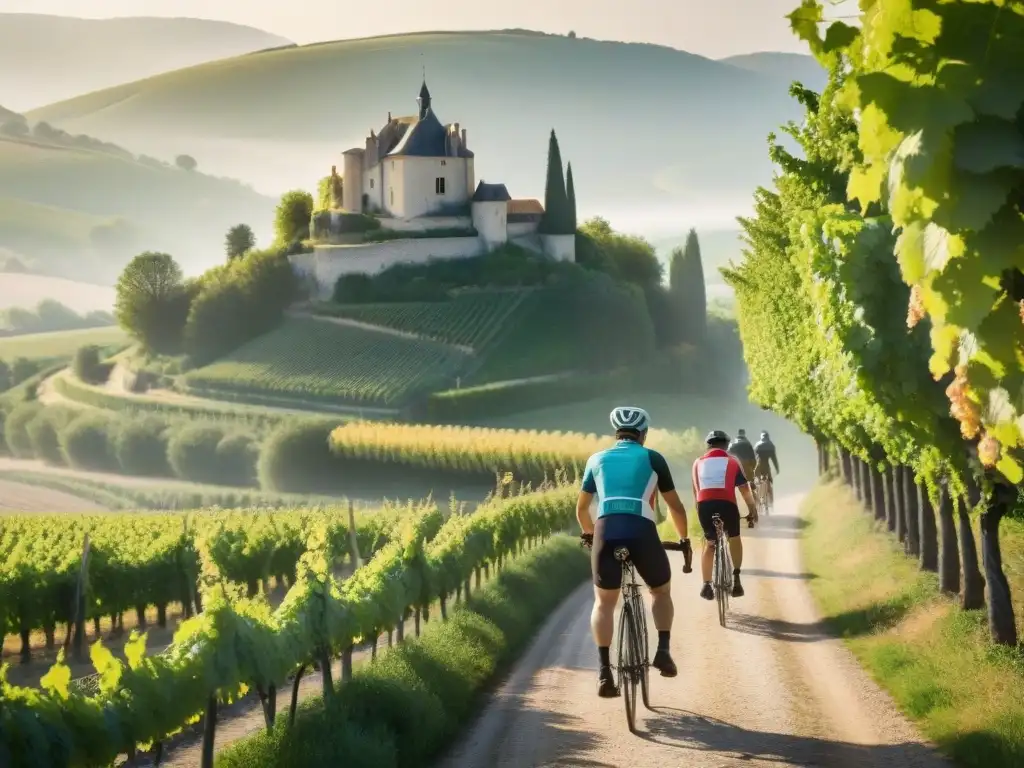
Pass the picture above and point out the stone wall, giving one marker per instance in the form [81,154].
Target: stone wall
[426,223]
[561,247]
[329,262]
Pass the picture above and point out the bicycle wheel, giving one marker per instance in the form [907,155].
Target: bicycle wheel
[721,594]
[643,646]
[627,663]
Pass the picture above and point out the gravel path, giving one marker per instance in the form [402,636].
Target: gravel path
[17,497]
[771,690]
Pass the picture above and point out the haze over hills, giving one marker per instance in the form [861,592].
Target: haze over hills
[652,132]
[788,66]
[48,58]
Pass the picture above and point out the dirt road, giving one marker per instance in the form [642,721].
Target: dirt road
[18,497]
[771,690]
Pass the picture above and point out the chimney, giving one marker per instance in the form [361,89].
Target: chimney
[464,138]
[389,116]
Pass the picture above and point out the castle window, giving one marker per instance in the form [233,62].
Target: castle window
[392,193]
[444,162]
[371,183]
[439,185]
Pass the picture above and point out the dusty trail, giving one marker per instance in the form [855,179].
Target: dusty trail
[771,690]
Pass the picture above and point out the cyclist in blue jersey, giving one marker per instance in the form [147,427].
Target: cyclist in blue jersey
[622,482]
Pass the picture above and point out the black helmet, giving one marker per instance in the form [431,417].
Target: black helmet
[716,437]
[741,433]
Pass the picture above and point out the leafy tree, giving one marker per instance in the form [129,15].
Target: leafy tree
[626,257]
[570,192]
[151,301]
[6,380]
[186,162]
[557,218]
[16,126]
[292,219]
[239,241]
[686,283]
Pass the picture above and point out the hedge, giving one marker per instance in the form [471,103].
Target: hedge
[403,709]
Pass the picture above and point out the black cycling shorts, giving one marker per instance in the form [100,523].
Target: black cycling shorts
[640,536]
[727,510]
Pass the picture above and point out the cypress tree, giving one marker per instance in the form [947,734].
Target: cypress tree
[570,193]
[686,283]
[556,204]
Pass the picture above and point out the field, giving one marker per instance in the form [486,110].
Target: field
[470,319]
[936,660]
[48,346]
[23,290]
[717,111]
[311,359]
[26,225]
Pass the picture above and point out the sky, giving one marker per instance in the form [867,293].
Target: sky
[713,28]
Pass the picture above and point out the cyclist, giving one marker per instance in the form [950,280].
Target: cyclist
[625,479]
[741,450]
[717,477]
[765,450]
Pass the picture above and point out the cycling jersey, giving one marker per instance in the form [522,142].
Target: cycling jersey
[765,450]
[625,478]
[742,450]
[716,476]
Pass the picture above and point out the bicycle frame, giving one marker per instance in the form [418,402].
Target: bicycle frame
[722,572]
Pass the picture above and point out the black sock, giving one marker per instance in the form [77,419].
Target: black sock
[602,652]
[735,571]
[663,639]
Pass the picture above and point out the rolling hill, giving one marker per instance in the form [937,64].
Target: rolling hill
[48,58]
[787,66]
[81,213]
[643,125]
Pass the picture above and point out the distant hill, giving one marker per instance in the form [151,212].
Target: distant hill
[82,213]
[786,66]
[48,58]
[26,291]
[643,125]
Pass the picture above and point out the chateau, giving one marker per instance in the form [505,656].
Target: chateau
[416,175]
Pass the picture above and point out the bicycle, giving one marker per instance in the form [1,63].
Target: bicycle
[722,571]
[633,655]
[761,496]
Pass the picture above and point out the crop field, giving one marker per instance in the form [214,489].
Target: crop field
[470,319]
[314,359]
[47,346]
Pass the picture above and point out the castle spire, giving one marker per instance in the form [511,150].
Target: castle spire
[424,99]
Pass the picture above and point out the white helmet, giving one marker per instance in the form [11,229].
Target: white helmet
[629,417]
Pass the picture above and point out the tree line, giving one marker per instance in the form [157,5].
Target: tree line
[876,305]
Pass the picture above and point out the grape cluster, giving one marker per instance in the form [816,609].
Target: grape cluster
[961,407]
[915,310]
[988,450]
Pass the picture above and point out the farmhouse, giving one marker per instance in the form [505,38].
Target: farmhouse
[416,177]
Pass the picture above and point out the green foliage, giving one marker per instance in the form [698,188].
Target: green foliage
[689,294]
[44,433]
[152,302]
[292,218]
[413,700]
[236,457]
[469,318]
[236,302]
[558,216]
[192,453]
[940,142]
[88,367]
[86,443]
[49,316]
[16,430]
[297,457]
[570,193]
[140,447]
[317,360]
[239,241]
[624,257]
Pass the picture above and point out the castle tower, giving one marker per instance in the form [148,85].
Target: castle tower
[352,187]
[424,100]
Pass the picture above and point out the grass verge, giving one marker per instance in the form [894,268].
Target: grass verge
[935,660]
[403,709]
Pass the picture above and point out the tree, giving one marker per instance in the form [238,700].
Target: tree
[292,219]
[6,380]
[16,126]
[151,302]
[570,193]
[686,283]
[239,241]
[557,219]
[186,162]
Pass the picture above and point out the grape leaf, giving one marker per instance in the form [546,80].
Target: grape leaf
[57,681]
[839,36]
[1011,469]
[986,145]
[804,23]
[912,107]
[976,200]
[998,95]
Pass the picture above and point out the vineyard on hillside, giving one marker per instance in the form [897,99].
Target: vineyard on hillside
[880,296]
[310,359]
[240,643]
[469,319]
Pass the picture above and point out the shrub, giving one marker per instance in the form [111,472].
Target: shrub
[416,697]
[16,430]
[192,453]
[236,457]
[140,447]
[297,458]
[44,433]
[88,367]
[86,443]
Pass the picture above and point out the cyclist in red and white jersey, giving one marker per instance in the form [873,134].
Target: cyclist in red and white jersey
[717,477]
